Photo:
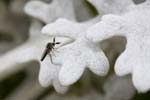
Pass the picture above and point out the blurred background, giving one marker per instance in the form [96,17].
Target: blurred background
[23,84]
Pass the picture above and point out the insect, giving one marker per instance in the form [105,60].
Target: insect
[49,49]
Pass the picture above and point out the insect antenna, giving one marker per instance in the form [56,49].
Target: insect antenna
[54,40]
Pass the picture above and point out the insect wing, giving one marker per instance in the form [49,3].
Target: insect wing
[57,42]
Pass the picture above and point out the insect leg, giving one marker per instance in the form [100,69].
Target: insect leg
[51,58]
[53,53]
[54,49]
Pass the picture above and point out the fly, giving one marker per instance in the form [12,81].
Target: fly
[49,49]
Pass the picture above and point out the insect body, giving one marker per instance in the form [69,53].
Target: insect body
[49,49]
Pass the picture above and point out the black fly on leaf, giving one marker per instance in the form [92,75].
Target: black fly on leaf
[49,49]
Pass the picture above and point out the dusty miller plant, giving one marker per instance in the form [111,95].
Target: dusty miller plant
[82,49]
